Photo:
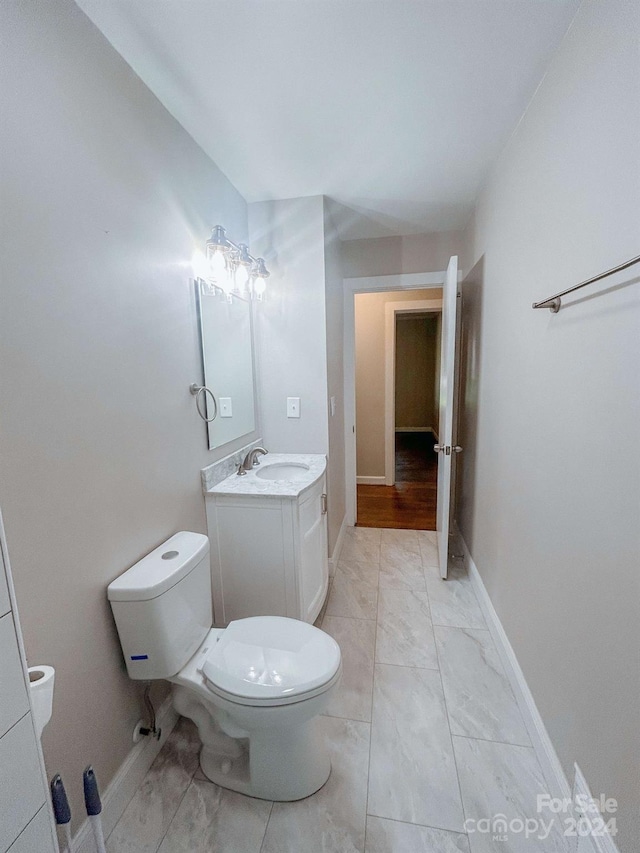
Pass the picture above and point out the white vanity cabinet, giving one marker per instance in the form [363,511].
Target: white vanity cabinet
[268,550]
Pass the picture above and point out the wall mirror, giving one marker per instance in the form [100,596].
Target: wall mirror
[226,340]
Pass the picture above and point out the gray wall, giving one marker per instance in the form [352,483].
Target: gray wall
[551,480]
[104,197]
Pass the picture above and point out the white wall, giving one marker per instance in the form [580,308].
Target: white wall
[299,335]
[335,377]
[103,198]
[290,323]
[551,486]
[394,255]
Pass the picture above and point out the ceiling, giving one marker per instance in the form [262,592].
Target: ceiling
[394,109]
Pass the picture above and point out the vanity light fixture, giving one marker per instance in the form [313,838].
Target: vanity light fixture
[230,267]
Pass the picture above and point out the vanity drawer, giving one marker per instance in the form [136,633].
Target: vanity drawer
[22,792]
[14,702]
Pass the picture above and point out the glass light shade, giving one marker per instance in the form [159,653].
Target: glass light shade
[218,264]
[199,264]
[242,277]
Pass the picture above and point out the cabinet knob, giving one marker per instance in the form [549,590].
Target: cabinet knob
[323,504]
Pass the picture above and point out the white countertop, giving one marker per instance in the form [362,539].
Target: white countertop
[251,484]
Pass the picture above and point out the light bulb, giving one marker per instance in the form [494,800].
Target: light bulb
[242,277]
[224,280]
[259,286]
[199,264]
[218,265]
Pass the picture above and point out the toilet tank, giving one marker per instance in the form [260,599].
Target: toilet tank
[162,606]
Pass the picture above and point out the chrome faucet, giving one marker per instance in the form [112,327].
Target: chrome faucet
[251,460]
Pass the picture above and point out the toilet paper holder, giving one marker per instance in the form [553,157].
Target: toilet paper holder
[41,684]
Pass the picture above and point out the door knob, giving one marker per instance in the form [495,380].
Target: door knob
[438,447]
[456,448]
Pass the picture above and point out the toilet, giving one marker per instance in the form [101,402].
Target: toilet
[254,689]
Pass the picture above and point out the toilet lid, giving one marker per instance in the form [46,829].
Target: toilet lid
[271,657]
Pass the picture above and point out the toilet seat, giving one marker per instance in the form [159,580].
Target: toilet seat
[265,661]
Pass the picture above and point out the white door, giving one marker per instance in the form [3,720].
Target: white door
[445,424]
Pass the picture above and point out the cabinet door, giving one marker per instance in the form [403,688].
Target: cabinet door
[22,790]
[14,702]
[314,565]
[36,836]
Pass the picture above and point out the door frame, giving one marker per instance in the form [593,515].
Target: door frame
[351,286]
[391,310]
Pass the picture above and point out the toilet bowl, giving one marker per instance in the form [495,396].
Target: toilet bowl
[254,690]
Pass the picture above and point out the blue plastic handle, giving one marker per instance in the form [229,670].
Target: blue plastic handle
[91,795]
[59,800]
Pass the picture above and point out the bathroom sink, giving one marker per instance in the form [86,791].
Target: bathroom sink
[290,471]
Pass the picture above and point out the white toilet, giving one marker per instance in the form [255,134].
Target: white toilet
[254,689]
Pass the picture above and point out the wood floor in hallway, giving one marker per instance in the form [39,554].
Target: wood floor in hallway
[411,503]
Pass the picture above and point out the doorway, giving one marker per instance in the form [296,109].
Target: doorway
[390,464]
[396,473]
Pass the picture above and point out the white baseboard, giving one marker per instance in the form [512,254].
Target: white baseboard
[415,429]
[557,783]
[371,481]
[124,784]
[335,557]
[592,841]
[540,740]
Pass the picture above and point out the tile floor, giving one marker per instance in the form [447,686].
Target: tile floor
[424,732]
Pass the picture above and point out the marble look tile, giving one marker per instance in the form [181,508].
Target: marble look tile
[333,819]
[212,818]
[392,836]
[364,534]
[147,817]
[405,539]
[400,569]
[429,552]
[503,779]
[362,572]
[405,634]
[427,536]
[479,698]
[412,770]
[361,544]
[356,638]
[350,598]
[456,571]
[453,602]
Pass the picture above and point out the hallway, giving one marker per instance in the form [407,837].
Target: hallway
[411,503]
[425,733]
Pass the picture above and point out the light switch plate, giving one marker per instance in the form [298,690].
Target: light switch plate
[293,407]
[226,408]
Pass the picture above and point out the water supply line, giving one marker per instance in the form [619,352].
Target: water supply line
[151,729]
